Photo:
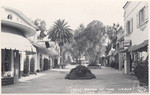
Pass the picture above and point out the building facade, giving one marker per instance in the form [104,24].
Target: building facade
[21,54]
[15,28]
[135,42]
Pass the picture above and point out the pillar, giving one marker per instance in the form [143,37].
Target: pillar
[16,66]
[12,64]
[120,61]
[127,63]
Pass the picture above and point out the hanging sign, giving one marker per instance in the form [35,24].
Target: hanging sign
[127,43]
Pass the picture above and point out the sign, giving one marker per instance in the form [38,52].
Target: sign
[127,43]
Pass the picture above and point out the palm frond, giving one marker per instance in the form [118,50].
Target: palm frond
[61,32]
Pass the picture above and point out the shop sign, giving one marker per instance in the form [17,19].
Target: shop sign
[127,43]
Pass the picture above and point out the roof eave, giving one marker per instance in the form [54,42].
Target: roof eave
[125,4]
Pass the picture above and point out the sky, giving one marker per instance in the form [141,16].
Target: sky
[75,12]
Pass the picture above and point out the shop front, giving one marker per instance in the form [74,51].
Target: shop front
[138,53]
[13,47]
[134,54]
[45,58]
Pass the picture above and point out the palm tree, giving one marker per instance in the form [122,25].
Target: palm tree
[61,33]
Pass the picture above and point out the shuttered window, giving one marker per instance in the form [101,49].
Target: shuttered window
[137,20]
[131,25]
[128,26]
[142,16]
[146,13]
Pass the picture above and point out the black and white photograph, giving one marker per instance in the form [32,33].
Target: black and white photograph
[74,47]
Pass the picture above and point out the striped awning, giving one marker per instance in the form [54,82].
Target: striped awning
[124,50]
[44,50]
[141,47]
[14,41]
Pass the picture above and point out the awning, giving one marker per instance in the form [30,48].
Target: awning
[124,50]
[14,41]
[141,47]
[44,50]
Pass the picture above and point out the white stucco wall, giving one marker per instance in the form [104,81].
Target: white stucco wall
[139,34]
[15,17]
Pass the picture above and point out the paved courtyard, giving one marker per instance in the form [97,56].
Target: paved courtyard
[108,80]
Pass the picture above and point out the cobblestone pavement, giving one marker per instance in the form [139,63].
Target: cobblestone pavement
[108,80]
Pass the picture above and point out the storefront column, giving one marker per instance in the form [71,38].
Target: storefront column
[38,60]
[127,63]
[16,66]
[22,59]
[35,59]
[12,64]
[120,61]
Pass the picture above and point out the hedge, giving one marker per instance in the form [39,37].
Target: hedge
[26,66]
[46,64]
[32,65]
[141,72]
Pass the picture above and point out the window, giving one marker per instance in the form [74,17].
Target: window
[141,16]
[10,16]
[129,26]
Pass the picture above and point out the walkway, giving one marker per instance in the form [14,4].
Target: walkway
[108,80]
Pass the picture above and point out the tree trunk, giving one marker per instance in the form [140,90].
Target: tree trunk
[61,56]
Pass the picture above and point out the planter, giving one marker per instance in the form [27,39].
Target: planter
[8,81]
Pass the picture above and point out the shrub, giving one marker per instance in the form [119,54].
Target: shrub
[141,72]
[46,66]
[26,66]
[112,64]
[32,65]
[116,65]
[93,65]
[80,72]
